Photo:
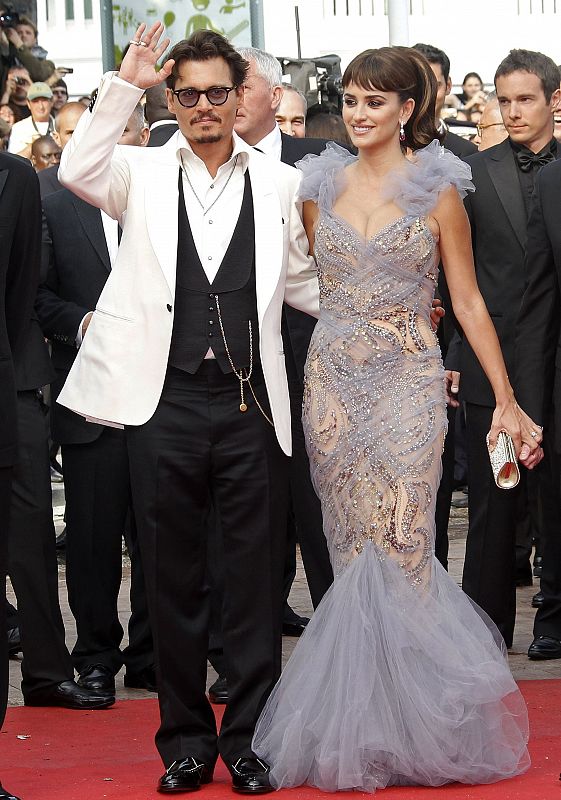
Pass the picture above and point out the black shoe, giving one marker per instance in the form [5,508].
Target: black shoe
[186,775]
[97,677]
[294,625]
[218,692]
[538,564]
[143,679]
[69,695]
[538,600]
[6,795]
[14,641]
[250,776]
[60,541]
[544,647]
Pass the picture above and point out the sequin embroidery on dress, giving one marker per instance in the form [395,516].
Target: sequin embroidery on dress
[399,677]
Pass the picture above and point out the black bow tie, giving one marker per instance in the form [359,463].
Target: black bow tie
[527,160]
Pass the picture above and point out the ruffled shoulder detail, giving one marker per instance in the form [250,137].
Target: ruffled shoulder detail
[320,174]
[432,169]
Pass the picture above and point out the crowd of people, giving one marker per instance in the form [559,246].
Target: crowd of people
[202,414]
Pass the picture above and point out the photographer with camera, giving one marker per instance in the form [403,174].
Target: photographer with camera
[15,50]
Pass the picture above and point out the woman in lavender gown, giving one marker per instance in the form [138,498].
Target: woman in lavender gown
[399,678]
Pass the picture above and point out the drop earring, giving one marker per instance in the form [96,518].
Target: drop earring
[401,132]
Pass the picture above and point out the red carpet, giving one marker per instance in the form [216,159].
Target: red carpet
[53,754]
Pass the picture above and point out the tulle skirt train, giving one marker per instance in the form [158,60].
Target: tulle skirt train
[394,685]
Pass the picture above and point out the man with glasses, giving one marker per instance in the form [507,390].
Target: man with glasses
[490,128]
[185,350]
[60,95]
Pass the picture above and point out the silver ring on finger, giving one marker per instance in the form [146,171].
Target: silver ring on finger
[533,434]
[142,44]
[133,41]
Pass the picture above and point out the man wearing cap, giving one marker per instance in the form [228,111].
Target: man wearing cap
[40,123]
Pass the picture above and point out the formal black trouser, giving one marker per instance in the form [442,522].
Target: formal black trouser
[489,575]
[306,525]
[198,444]
[548,617]
[32,562]
[5,494]
[98,501]
[445,490]
[11,616]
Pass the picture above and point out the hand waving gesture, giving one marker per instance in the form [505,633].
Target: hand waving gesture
[139,64]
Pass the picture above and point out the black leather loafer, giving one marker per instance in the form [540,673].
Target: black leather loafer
[537,600]
[186,775]
[6,795]
[295,625]
[250,776]
[544,647]
[218,692]
[98,678]
[143,679]
[69,695]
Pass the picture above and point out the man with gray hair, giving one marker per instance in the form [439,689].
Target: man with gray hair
[291,113]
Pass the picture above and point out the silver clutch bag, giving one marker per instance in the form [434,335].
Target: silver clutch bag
[503,462]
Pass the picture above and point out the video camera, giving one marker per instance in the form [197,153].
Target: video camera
[319,79]
[9,17]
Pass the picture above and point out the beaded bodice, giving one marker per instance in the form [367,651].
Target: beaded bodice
[374,407]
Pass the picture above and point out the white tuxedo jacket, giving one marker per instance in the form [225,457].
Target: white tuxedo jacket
[118,375]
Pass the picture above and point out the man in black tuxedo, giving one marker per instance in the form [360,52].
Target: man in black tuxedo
[440,65]
[538,379]
[527,86]
[20,242]
[79,248]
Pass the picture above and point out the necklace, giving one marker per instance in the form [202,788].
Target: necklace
[220,193]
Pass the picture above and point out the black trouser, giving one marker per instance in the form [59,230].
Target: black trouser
[32,563]
[307,523]
[198,444]
[445,490]
[548,617]
[489,575]
[5,494]
[98,501]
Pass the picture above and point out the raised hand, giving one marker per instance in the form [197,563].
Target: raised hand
[139,64]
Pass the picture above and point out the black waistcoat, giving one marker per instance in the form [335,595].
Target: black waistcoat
[196,325]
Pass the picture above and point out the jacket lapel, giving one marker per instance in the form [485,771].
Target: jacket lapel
[503,174]
[160,204]
[3,178]
[267,214]
[90,218]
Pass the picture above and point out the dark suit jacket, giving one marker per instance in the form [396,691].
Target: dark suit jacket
[457,145]
[48,181]
[498,226]
[538,332]
[162,134]
[76,266]
[20,243]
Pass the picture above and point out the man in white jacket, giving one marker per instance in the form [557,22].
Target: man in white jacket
[185,351]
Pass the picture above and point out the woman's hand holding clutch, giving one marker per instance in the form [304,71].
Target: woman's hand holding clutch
[526,435]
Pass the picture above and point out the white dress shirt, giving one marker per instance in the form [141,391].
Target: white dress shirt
[271,144]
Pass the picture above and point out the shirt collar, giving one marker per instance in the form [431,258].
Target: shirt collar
[271,143]
[183,148]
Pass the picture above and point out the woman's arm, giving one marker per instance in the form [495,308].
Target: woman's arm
[469,307]
[310,217]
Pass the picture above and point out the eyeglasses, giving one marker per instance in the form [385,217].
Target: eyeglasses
[481,128]
[216,95]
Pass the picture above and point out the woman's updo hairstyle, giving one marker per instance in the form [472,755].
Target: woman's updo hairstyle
[407,72]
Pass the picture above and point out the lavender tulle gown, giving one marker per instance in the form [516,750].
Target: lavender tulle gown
[399,678]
